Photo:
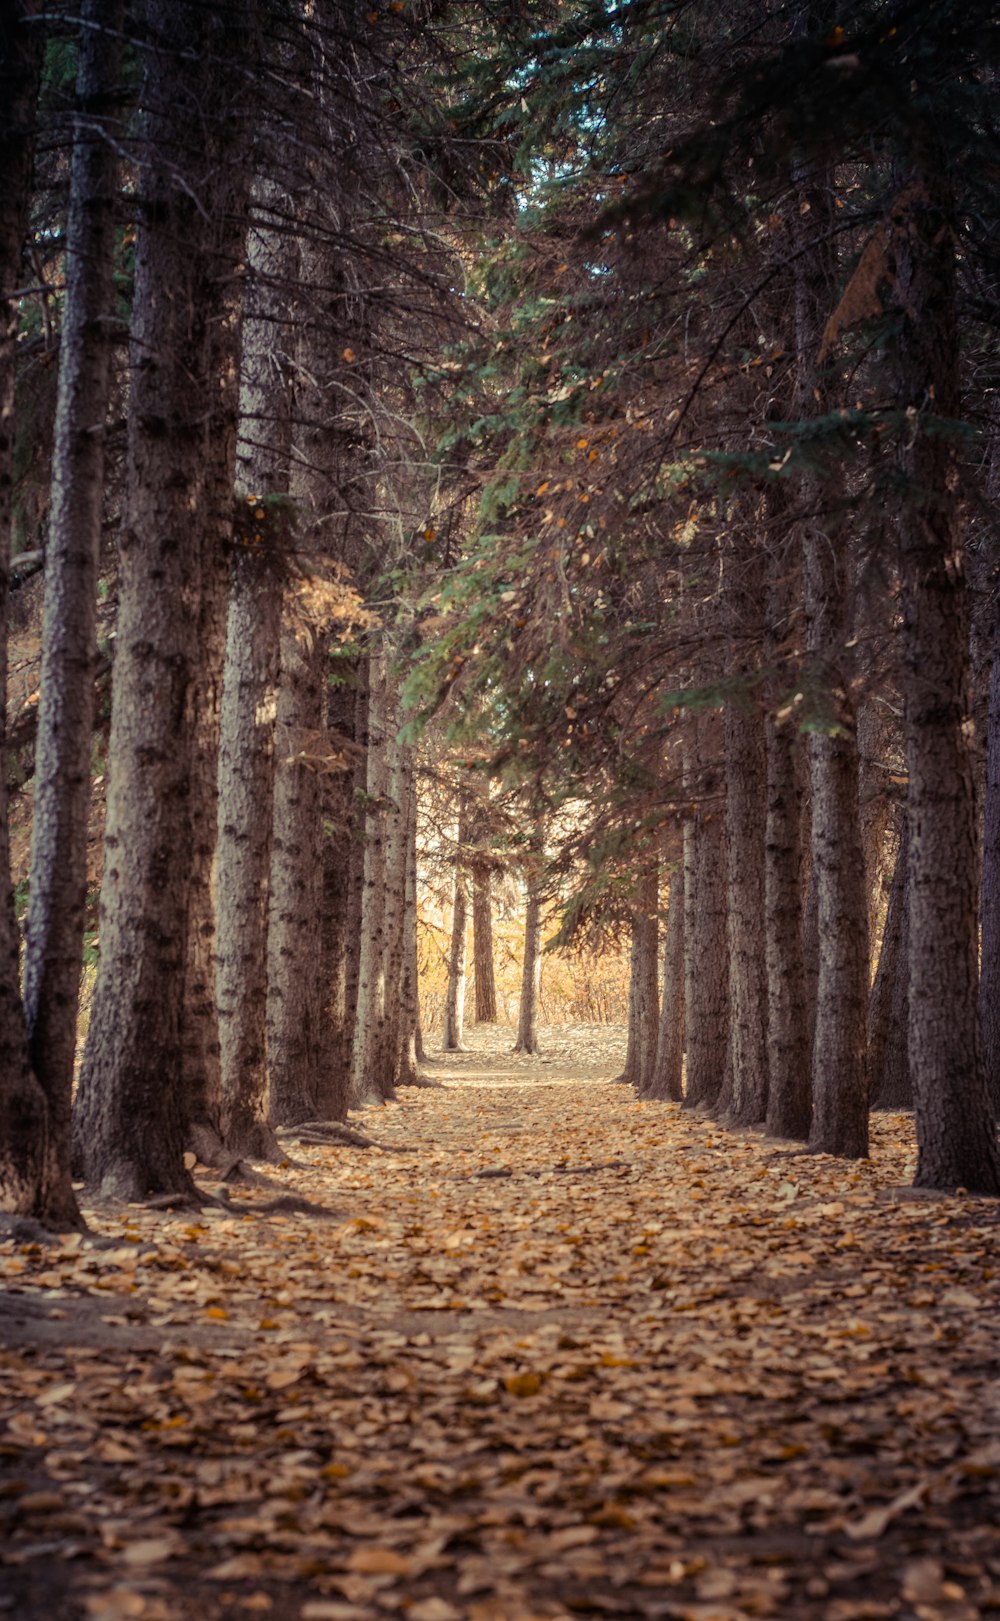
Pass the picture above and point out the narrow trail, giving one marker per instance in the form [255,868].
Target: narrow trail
[562,1353]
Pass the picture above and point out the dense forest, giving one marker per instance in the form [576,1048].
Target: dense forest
[563,433]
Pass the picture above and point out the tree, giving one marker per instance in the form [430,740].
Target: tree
[666,1077]
[370,1081]
[643,999]
[888,1061]
[251,683]
[482,939]
[23,1109]
[956,1129]
[452,1035]
[58,881]
[526,1040]
[706,988]
[744,1096]
[789,1045]
[840,1100]
[130,1126]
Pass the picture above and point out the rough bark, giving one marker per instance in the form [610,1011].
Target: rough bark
[989,987]
[201,1059]
[401,789]
[744,1098]
[337,864]
[23,1113]
[956,1131]
[482,944]
[58,874]
[250,697]
[201,1068]
[366,1078]
[354,909]
[246,787]
[130,1122]
[706,991]
[410,1046]
[531,975]
[666,1077]
[840,1098]
[453,1031]
[789,1100]
[875,807]
[888,1056]
[296,989]
[643,1021]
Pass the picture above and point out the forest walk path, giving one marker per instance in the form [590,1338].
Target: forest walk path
[555,1352]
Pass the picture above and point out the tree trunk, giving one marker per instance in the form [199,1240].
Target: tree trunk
[875,808]
[888,1059]
[789,1100]
[643,999]
[665,1081]
[956,1132]
[989,987]
[531,974]
[401,789]
[357,855]
[840,1097]
[296,991]
[744,1099]
[201,1066]
[130,1121]
[410,1046]
[366,1083]
[201,1061]
[337,789]
[58,882]
[482,945]
[452,1036]
[706,992]
[250,695]
[23,1113]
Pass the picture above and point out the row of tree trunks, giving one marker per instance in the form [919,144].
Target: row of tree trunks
[214,1016]
[920,1027]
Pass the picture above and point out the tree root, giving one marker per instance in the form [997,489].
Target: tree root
[324,1133]
[181,1200]
[290,1205]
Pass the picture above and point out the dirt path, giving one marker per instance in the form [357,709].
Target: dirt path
[561,1353]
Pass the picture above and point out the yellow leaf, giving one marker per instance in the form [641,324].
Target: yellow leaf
[349,355]
[523,1384]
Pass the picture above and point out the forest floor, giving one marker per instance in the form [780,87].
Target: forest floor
[552,1352]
